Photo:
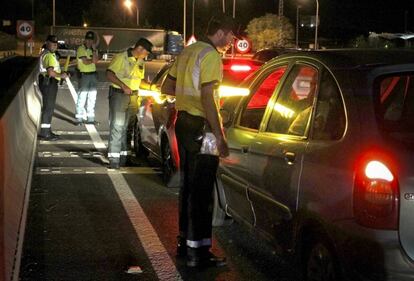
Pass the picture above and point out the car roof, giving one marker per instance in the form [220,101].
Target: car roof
[356,58]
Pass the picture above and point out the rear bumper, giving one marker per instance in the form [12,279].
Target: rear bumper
[369,254]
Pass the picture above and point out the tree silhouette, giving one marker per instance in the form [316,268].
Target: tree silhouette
[270,31]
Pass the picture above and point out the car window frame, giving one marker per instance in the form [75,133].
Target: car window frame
[266,119]
[255,83]
[326,69]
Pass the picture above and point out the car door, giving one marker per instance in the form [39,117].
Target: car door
[152,115]
[275,155]
[234,170]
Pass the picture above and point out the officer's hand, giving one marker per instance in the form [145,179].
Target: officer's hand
[63,75]
[127,90]
[222,147]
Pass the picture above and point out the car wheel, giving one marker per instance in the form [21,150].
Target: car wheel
[321,263]
[140,150]
[168,166]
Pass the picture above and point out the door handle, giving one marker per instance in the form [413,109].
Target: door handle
[290,157]
[244,149]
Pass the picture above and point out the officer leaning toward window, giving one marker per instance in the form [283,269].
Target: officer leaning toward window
[50,75]
[126,72]
[87,57]
[194,79]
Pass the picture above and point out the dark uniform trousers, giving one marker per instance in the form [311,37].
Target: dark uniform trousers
[131,121]
[48,87]
[119,114]
[196,191]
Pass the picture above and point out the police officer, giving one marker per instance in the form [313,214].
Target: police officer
[50,75]
[126,72]
[87,58]
[194,79]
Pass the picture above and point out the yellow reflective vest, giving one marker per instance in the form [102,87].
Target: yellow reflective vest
[84,52]
[128,69]
[198,64]
[47,60]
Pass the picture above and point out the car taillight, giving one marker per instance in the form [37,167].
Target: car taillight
[240,67]
[376,196]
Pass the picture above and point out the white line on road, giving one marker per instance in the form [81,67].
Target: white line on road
[95,170]
[161,262]
[80,133]
[75,142]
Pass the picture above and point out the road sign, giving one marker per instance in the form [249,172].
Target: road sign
[242,46]
[107,39]
[192,40]
[25,29]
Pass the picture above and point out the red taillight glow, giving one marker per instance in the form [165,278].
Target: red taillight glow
[376,196]
[377,170]
[240,67]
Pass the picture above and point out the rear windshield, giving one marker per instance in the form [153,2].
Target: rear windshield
[395,104]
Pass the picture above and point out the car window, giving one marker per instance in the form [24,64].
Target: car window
[329,120]
[293,107]
[395,96]
[265,55]
[255,106]
[160,76]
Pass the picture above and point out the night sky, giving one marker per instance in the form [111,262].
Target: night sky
[338,18]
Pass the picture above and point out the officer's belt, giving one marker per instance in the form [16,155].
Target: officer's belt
[88,73]
[116,90]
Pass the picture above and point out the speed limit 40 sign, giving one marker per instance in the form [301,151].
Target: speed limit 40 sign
[243,46]
[25,29]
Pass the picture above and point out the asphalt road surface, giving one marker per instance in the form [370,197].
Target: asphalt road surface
[87,222]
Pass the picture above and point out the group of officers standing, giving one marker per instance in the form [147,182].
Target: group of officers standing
[194,79]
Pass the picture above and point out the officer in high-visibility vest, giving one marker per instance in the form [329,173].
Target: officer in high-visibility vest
[50,75]
[87,58]
[194,79]
[126,72]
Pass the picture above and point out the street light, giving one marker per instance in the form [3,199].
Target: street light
[54,17]
[184,19]
[234,9]
[316,24]
[128,4]
[297,26]
[192,19]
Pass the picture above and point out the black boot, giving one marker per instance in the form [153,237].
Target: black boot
[202,257]
[181,247]
[113,163]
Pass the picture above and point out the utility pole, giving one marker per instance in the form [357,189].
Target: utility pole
[280,8]
[280,20]
[184,22]
[405,21]
[54,13]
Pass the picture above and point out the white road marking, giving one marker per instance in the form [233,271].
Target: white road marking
[80,133]
[76,142]
[161,262]
[97,170]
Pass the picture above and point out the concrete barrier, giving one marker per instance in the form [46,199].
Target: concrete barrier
[20,108]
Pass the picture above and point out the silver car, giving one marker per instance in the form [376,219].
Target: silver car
[322,162]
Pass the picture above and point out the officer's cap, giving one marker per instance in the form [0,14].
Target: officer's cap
[90,35]
[52,38]
[145,43]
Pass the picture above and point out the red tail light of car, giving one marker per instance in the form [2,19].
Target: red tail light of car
[376,195]
[240,67]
